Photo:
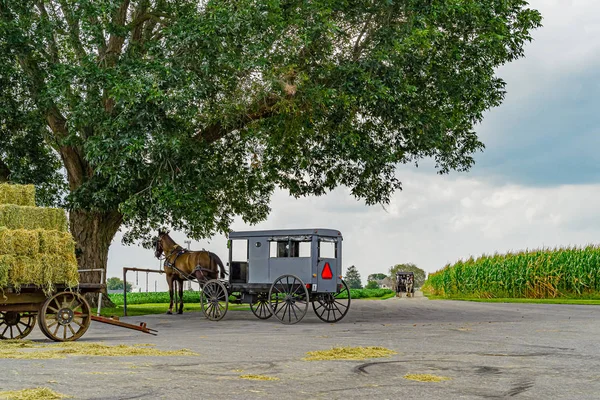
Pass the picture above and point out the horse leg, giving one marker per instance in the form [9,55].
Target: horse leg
[180,311]
[170,282]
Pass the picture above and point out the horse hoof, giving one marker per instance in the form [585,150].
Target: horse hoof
[169,312]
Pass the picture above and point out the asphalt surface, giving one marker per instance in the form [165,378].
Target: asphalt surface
[489,351]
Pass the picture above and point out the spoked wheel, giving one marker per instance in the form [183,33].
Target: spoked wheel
[214,300]
[65,317]
[288,298]
[331,307]
[261,307]
[14,325]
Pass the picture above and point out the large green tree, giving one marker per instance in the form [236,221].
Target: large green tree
[188,113]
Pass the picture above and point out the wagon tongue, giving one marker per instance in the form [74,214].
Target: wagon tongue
[115,321]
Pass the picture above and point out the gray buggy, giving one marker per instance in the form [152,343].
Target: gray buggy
[279,272]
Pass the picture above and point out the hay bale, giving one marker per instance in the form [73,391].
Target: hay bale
[21,195]
[42,270]
[28,242]
[26,217]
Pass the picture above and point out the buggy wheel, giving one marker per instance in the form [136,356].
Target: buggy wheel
[261,307]
[14,325]
[214,300]
[65,317]
[288,298]
[331,307]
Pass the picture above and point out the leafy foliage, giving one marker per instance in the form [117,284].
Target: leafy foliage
[542,273]
[352,278]
[372,285]
[376,277]
[189,113]
[115,283]
[419,274]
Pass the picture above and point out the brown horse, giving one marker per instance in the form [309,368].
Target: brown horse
[182,264]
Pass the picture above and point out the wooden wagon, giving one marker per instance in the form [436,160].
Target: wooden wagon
[63,315]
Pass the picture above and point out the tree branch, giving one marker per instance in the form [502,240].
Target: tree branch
[74,32]
[262,109]
[114,49]
[53,55]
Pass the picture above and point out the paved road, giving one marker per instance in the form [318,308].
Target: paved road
[490,351]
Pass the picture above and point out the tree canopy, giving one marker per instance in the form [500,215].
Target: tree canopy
[115,283]
[376,277]
[188,113]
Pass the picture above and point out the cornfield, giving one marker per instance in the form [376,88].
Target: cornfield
[543,273]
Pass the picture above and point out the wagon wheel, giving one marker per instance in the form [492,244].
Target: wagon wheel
[214,300]
[332,307]
[14,325]
[261,307]
[65,317]
[288,298]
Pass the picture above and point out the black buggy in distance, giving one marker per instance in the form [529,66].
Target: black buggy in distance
[279,272]
[405,283]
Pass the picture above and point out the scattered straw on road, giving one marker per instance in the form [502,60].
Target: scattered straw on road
[426,378]
[349,353]
[31,394]
[15,349]
[259,377]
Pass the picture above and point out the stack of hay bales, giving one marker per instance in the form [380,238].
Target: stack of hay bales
[35,245]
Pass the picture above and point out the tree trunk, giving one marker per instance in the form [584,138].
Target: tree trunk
[94,232]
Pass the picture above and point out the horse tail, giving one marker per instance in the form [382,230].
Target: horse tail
[219,263]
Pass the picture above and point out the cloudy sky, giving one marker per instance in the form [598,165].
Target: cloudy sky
[536,184]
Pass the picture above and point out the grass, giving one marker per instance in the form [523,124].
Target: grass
[194,297]
[158,308]
[559,300]
[158,302]
[31,394]
[349,353]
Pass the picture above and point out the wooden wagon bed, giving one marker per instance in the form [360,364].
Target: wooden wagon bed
[63,314]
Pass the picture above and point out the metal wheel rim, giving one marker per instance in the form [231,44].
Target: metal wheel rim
[14,325]
[65,317]
[330,307]
[214,300]
[261,307]
[288,298]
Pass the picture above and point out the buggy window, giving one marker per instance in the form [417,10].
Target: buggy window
[289,248]
[326,249]
[239,250]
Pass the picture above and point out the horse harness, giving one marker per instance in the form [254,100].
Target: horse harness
[190,277]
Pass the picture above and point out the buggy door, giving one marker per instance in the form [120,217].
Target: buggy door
[328,267]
